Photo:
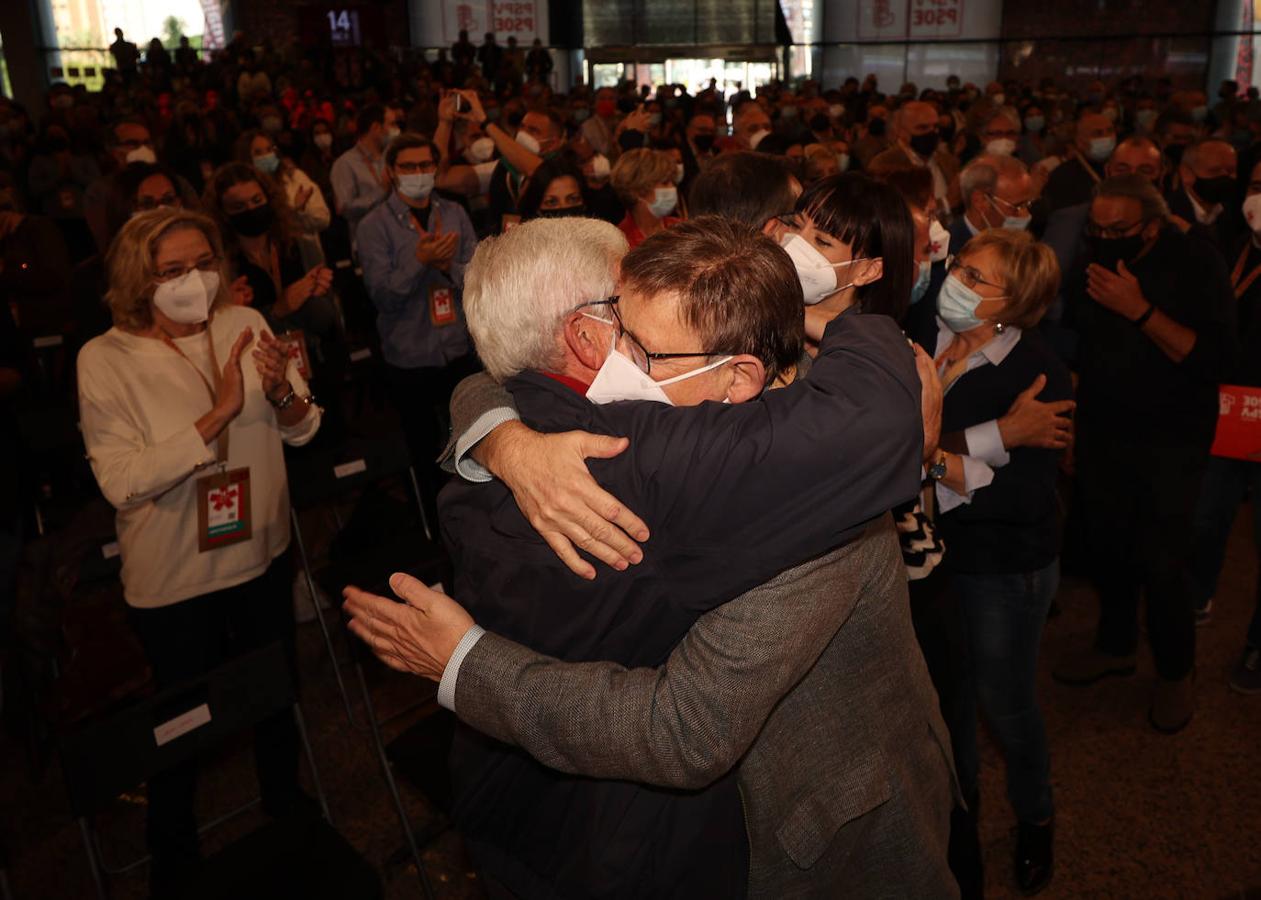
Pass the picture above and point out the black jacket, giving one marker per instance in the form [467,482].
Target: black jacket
[1069,184]
[1129,388]
[1225,230]
[1248,317]
[733,495]
[1011,525]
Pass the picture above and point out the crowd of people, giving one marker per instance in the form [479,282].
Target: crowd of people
[905,356]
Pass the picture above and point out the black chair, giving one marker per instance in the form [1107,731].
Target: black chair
[287,857]
[366,557]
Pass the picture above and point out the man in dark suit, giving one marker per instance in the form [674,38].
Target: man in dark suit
[997,192]
[862,809]
[1073,181]
[1208,194]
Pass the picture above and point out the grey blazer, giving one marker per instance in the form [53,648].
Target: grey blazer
[813,684]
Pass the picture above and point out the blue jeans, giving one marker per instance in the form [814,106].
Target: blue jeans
[1003,617]
[1226,483]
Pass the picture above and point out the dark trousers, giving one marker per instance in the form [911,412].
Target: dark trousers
[421,397]
[1226,485]
[1004,616]
[188,639]
[1138,505]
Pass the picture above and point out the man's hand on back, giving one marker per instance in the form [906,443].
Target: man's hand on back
[1031,423]
[931,395]
[416,636]
[548,476]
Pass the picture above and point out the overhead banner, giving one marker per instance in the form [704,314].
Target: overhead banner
[523,19]
[911,20]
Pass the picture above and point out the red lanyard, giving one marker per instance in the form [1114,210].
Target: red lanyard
[1241,286]
[221,451]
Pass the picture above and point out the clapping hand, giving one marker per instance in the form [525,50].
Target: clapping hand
[271,358]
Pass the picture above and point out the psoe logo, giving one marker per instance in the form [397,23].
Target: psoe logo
[882,15]
[1225,403]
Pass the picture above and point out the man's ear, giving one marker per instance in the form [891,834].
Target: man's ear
[587,340]
[872,270]
[748,378]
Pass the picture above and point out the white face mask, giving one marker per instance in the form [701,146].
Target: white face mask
[842,161]
[620,379]
[481,150]
[678,173]
[528,141]
[142,154]
[186,300]
[1252,212]
[323,140]
[1101,148]
[939,238]
[664,200]
[417,186]
[1001,147]
[836,110]
[817,275]
[600,166]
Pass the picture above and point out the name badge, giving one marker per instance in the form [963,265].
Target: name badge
[223,509]
[441,306]
[294,343]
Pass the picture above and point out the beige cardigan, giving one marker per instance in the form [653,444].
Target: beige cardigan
[138,402]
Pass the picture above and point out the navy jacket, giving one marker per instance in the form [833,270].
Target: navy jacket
[733,494]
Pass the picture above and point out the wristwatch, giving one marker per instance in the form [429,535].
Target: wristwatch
[937,471]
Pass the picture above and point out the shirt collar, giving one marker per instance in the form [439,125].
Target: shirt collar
[1205,216]
[578,387]
[995,350]
[972,229]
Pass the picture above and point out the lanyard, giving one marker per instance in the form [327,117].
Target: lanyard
[1240,282]
[221,451]
[1090,170]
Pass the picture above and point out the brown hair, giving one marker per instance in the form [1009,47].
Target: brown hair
[131,263]
[737,288]
[914,183]
[409,140]
[231,174]
[1030,272]
[636,172]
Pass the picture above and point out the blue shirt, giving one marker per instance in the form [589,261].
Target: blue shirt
[357,187]
[402,288]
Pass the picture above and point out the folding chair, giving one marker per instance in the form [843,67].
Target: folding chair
[284,858]
[357,466]
[326,476]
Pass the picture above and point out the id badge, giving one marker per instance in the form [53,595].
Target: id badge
[223,509]
[441,306]
[294,343]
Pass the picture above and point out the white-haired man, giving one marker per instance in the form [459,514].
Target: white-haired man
[820,644]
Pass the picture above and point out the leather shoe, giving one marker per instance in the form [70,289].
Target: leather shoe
[1035,858]
[1173,704]
[1090,665]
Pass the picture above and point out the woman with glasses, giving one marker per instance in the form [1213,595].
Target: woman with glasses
[185,403]
[996,512]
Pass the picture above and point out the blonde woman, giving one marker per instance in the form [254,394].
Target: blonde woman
[644,181]
[185,439]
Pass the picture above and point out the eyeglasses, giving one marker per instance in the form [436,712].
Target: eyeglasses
[155,202]
[1025,207]
[637,353]
[1110,231]
[170,273]
[413,168]
[968,275]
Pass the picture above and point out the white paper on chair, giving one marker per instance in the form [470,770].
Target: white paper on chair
[182,724]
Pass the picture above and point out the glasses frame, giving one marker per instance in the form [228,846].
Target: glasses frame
[211,265]
[1112,232]
[970,275]
[640,355]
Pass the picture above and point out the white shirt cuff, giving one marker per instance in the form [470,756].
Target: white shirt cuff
[985,442]
[976,475]
[451,674]
[465,466]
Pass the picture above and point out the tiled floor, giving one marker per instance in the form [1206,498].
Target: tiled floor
[1139,814]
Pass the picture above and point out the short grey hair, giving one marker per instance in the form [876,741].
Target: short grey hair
[982,174]
[1135,187]
[520,286]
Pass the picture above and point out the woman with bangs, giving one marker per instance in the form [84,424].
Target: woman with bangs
[186,443]
[852,242]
